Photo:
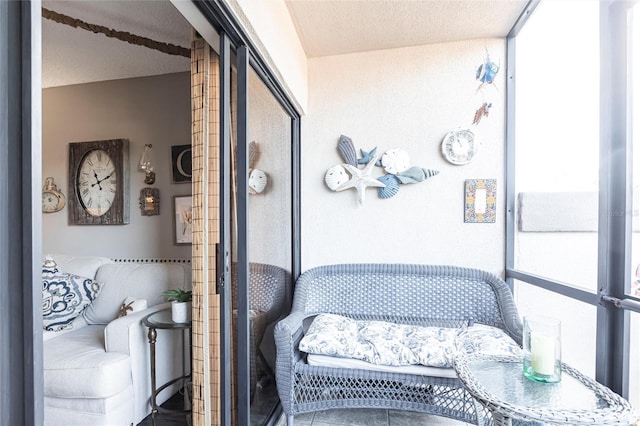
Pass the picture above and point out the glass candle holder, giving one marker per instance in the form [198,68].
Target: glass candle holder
[542,351]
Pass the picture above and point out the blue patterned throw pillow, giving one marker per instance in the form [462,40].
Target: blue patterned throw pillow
[64,296]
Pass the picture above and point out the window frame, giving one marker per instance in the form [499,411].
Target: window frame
[614,230]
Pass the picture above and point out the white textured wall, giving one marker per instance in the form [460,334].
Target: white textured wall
[153,110]
[269,25]
[405,98]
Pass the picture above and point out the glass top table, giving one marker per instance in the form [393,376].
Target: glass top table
[162,320]
[498,383]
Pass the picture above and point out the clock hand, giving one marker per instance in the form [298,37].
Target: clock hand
[97,181]
[107,177]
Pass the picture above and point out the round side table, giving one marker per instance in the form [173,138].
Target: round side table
[161,320]
[498,383]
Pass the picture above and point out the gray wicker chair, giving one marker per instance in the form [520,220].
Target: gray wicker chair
[267,287]
[410,294]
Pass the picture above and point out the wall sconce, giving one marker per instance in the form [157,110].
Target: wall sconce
[145,166]
[149,201]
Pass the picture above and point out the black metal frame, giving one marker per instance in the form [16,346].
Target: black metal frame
[242,375]
[225,232]
[21,368]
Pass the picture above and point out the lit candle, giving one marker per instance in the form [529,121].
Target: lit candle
[543,353]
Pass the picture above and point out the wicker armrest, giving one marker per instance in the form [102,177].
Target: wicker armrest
[287,333]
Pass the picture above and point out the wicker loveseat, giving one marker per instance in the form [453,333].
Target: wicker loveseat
[425,295]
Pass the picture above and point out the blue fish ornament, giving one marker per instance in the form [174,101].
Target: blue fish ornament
[487,71]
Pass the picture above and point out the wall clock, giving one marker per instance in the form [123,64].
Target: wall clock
[459,146]
[52,199]
[99,182]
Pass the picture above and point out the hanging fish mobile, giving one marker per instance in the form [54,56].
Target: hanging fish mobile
[395,162]
[487,71]
[483,111]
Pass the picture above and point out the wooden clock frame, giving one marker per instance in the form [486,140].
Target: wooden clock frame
[118,213]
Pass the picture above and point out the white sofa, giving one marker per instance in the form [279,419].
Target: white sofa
[98,372]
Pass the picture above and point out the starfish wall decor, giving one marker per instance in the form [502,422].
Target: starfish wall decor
[395,163]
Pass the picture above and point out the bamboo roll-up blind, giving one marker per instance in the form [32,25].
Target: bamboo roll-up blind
[206,409]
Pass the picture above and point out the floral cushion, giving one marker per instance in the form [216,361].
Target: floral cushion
[64,296]
[488,340]
[379,342]
[384,343]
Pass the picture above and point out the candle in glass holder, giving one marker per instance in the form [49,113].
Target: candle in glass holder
[541,343]
[543,353]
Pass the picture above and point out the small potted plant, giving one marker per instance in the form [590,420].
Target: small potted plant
[180,304]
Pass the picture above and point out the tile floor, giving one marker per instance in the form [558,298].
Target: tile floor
[348,417]
[369,417]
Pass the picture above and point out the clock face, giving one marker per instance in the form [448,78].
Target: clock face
[459,147]
[97,182]
[50,202]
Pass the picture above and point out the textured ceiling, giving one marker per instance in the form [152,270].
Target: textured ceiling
[333,27]
[72,56]
[325,27]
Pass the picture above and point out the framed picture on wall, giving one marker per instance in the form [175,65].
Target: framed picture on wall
[182,220]
[181,163]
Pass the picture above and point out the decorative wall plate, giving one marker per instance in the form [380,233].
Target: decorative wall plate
[459,146]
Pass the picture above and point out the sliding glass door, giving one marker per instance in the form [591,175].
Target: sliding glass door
[269,237]
[258,235]
[250,225]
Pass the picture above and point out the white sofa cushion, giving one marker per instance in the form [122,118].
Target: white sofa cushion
[116,410]
[85,266]
[356,364]
[92,405]
[77,366]
[64,296]
[140,281]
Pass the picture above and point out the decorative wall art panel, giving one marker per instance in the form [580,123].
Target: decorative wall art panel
[480,200]
[182,220]
[396,165]
[181,164]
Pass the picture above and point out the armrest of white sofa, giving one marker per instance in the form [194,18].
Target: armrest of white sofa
[128,335]
[119,332]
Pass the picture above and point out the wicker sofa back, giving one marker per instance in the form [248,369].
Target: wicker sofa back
[408,294]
